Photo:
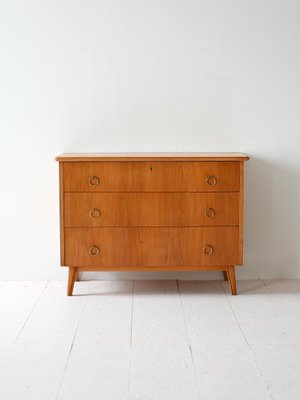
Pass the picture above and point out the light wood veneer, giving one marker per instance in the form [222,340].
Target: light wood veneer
[151,247]
[151,209]
[151,212]
[151,176]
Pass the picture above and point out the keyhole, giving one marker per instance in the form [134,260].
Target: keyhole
[150,168]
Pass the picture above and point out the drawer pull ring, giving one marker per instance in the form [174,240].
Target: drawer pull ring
[94,181]
[94,251]
[210,213]
[208,250]
[95,213]
[211,180]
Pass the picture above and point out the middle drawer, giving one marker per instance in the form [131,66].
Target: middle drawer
[151,209]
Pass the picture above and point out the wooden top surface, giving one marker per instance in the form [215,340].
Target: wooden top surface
[152,157]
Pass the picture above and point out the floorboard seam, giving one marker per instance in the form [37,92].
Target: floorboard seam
[188,340]
[32,310]
[130,341]
[266,287]
[248,345]
[71,349]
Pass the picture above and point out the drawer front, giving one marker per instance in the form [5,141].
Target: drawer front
[151,176]
[151,209]
[151,247]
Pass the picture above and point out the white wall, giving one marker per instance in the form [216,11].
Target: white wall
[156,75]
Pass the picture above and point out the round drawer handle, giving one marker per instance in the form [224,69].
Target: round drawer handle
[95,213]
[94,181]
[210,213]
[94,251]
[211,180]
[208,250]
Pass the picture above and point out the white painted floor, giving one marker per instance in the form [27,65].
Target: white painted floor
[150,340]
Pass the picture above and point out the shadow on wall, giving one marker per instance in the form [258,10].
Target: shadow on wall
[161,275]
[272,213]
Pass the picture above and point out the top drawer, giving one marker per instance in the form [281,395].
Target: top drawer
[146,176]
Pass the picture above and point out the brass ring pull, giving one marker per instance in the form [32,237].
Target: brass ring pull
[211,180]
[94,251]
[208,250]
[94,181]
[95,213]
[210,213]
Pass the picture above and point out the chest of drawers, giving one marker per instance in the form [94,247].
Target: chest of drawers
[151,212]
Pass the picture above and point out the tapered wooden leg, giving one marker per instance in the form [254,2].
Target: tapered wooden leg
[71,279]
[231,278]
[77,275]
[225,276]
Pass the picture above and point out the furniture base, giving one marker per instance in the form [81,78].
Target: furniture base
[228,273]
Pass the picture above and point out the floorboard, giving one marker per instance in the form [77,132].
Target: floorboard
[150,340]
[225,367]
[17,301]
[102,345]
[161,363]
[32,367]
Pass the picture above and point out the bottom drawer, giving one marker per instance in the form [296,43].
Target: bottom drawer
[164,247]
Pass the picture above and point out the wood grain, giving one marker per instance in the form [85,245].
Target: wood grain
[192,156]
[151,209]
[241,212]
[61,213]
[152,212]
[150,268]
[231,278]
[151,176]
[169,247]
[71,280]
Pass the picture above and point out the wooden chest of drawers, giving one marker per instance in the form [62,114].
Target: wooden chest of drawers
[151,212]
